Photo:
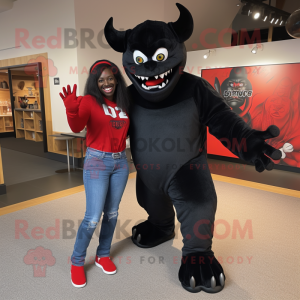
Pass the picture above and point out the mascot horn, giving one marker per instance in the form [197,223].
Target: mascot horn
[170,113]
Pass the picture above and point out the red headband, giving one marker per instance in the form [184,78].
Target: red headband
[100,62]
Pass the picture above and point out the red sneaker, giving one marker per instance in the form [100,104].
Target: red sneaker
[78,276]
[106,265]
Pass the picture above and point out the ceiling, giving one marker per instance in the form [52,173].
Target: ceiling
[6,5]
[211,19]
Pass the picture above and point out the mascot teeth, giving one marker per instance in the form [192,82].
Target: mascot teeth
[155,86]
[159,86]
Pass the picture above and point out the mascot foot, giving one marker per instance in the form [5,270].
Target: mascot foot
[146,235]
[201,271]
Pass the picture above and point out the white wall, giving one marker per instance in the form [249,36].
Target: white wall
[94,14]
[273,53]
[42,18]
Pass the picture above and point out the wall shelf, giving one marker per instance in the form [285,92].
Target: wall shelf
[31,120]
[6,120]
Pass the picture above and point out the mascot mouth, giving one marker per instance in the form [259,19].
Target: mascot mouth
[155,82]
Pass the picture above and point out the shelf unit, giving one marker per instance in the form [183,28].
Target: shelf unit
[6,120]
[28,122]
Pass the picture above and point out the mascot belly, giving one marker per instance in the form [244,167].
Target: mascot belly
[170,113]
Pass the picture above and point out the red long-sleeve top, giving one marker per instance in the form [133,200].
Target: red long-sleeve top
[107,126]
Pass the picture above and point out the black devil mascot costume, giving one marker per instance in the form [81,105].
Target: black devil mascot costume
[169,116]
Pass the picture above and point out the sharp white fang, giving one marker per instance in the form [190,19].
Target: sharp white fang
[156,77]
[146,78]
[139,77]
[162,75]
[152,87]
[163,85]
[166,73]
[171,70]
[167,81]
[145,87]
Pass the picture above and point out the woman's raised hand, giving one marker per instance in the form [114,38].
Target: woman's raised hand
[71,101]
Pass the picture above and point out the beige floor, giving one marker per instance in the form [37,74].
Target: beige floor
[264,263]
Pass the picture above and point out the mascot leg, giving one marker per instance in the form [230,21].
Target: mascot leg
[193,194]
[159,227]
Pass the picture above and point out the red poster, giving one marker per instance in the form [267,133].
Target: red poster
[262,96]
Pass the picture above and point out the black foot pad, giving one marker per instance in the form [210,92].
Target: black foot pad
[146,235]
[201,271]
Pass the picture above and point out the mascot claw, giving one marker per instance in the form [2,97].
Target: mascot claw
[213,289]
[204,268]
[222,279]
[152,235]
[192,282]
[213,282]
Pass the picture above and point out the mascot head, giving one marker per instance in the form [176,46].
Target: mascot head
[154,54]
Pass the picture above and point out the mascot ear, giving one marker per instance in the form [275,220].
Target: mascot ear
[183,27]
[116,39]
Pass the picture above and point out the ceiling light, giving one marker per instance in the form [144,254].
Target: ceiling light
[206,55]
[265,12]
[264,15]
[256,48]
[256,15]
[256,12]
[246,10]
[280,20]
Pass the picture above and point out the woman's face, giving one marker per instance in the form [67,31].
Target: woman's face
[107,84]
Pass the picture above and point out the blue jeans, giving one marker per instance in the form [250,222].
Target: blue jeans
[104,179]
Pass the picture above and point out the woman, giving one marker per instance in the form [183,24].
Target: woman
[103,110]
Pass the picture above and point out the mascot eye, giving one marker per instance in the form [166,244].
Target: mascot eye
[139,57]
[161,54]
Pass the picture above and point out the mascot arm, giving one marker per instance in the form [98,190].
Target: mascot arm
[248,144]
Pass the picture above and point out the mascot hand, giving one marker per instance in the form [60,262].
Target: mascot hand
[259,152]
[287,147]
[283,155]
[71,101]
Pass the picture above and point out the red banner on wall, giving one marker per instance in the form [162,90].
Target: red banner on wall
[262,96]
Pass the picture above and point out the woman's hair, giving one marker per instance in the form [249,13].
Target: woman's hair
[121,95]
